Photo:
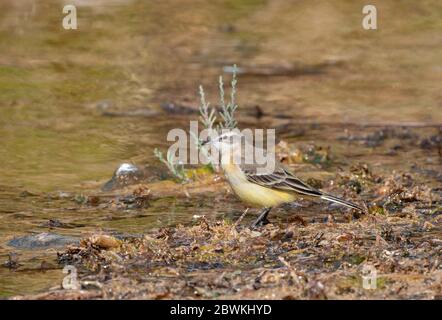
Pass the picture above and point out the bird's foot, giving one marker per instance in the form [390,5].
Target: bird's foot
[259,223]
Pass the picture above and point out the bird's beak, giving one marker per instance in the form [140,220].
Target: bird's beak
[205,142]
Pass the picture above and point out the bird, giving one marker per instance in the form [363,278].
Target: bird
[261,188]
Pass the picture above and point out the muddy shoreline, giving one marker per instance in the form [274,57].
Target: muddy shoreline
[299,256]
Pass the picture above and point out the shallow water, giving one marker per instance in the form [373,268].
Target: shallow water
[301,63]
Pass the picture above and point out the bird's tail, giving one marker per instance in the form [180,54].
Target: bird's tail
[341,201]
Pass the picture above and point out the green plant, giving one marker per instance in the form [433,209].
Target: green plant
[208,118]
[177,169]
[207,114]
[228,110]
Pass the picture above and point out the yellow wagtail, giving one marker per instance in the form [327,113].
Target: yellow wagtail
[263,189]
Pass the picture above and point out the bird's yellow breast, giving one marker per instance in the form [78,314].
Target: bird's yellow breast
[254,194]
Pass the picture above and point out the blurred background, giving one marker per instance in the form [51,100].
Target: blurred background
[74,104]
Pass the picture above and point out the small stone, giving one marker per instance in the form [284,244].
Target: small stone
[104,241]
[126,174]
[42,240]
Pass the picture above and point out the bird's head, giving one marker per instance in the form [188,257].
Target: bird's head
[226,142]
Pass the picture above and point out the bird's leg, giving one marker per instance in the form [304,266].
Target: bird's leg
[262,219]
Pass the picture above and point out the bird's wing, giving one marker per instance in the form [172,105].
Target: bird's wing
[283,180]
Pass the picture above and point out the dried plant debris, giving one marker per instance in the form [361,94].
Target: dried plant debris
[359,179]
[432,142]
[310,153]
[219,259]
